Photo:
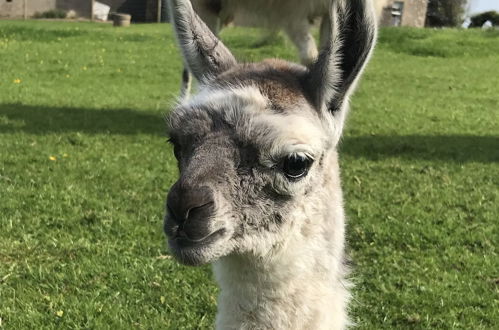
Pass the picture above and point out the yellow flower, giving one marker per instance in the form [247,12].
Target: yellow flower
[53,158]
[59,313]
[17,81]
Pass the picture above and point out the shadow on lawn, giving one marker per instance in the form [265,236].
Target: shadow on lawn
[455,148]
[47,120]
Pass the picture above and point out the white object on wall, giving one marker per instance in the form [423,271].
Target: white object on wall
[466,24]
[487,25]
[101,11]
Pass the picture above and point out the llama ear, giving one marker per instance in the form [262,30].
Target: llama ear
[204,54]
[332,78]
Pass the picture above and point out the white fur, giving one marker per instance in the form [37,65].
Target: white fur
[292,16]
[279,267]
[297,285]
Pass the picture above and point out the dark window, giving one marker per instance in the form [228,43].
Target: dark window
[397,12]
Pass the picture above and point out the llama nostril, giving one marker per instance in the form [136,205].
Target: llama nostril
[184,202]
[197,225]
[200,211]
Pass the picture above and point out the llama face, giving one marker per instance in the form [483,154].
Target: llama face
[245,155]
[254,146]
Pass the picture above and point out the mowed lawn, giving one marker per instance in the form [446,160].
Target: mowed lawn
[85,168]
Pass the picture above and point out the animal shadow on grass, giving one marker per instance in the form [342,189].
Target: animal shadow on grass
[451,148]
[48,120]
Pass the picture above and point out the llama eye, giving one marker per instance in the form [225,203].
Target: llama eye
[296,166]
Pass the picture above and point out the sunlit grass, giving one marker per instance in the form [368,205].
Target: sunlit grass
[85,168]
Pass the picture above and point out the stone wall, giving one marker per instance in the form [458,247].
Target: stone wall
[15,8]
[141,10]
[380,6]
[83,8]
[414,12]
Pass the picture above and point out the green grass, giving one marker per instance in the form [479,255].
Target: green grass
[85,168]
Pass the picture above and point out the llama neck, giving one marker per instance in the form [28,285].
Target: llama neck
[301,291]
[298,285]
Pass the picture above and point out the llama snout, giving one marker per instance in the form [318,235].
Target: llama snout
[190,209]
[189,221]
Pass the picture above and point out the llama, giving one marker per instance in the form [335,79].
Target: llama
[292,16]
[259,192]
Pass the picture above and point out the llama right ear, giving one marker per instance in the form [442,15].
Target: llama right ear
[204,54]
[332,78]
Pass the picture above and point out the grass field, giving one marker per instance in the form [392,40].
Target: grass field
[85,168]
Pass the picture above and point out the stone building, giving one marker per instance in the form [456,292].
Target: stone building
[141,10]
[390,12]
[27,8]
[401,12]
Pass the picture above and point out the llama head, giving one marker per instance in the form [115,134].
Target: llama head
[254,146]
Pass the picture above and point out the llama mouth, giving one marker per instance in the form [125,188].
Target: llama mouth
[181,241]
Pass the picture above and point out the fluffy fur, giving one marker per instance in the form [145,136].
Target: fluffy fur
[276,242]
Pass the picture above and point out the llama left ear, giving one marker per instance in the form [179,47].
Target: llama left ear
[204,54]
[333,76]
